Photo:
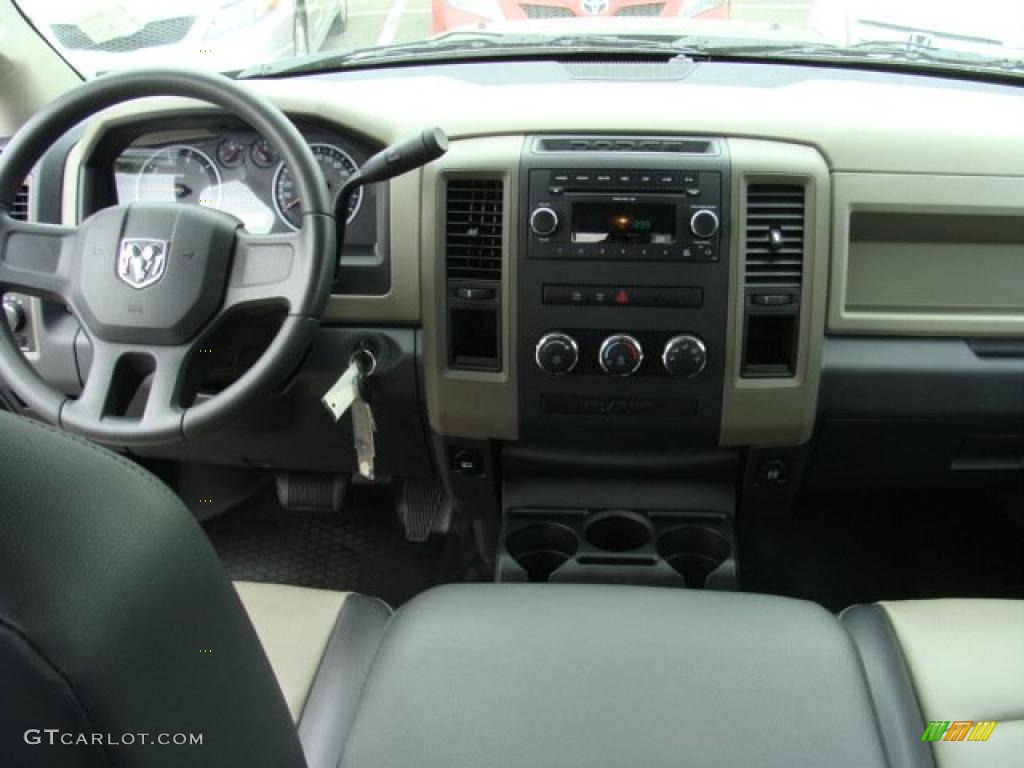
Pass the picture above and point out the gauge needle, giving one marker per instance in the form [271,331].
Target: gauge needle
[293,203]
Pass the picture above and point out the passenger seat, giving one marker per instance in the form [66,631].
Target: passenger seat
[949,661]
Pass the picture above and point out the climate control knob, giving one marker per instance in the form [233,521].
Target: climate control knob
[621,355]
[684,356]
[543,221]
[704,224]
[557,353]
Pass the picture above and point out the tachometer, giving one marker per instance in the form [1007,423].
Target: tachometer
[179,174]
[335,164]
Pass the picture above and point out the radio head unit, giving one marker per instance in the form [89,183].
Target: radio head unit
[625,214]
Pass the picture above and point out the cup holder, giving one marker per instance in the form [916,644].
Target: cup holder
[694,551]
[618,531]
[541,548]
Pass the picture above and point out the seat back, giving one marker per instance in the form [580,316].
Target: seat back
[120,633]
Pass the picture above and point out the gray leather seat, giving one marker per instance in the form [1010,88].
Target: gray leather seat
[116,617]
[949,661]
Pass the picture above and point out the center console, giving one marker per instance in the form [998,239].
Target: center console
[623,280]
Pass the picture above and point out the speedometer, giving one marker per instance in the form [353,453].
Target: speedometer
[335,164]
[179,174]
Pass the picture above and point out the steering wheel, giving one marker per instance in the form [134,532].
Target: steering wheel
[150,281]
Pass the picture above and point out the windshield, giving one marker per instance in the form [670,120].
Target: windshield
[231,35]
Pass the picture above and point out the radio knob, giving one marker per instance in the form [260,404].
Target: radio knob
[621,355]
[704,224]
[557,353]
[684,356]
[544,221]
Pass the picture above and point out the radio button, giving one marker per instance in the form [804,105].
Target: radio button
[704,224]
[544,221]
[620,355]
[560,177]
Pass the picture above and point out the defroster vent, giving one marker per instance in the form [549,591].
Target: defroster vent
[775,235]
[474,229]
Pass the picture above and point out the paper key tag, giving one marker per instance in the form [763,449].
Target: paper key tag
[340,397]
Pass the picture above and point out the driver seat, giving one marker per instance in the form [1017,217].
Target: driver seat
[119,627]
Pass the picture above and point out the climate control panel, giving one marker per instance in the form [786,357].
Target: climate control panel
[622,281]
[622,355]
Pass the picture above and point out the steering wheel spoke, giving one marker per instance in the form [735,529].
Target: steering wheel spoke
[36,259]
[265,270]
[127,385]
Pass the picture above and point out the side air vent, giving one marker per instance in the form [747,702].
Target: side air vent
[773,268]
[473,229]
[474,224]
[775,235]
[20,208]
[627,144]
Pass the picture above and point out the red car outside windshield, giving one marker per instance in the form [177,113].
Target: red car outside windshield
[450,14]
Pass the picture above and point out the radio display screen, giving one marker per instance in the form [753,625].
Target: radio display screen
[638,223]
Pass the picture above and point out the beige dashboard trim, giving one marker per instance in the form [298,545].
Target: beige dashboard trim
[777,412]
[938,195]
[466,403]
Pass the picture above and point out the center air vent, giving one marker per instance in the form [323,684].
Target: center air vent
[473,227]
[774,252]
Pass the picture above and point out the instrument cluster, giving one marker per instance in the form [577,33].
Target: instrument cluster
[233,171]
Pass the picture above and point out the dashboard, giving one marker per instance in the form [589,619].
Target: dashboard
[774,268]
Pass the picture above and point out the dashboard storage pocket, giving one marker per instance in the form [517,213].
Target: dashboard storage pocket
[665,548]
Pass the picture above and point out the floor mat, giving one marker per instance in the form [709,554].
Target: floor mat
[861,547]
[362,549]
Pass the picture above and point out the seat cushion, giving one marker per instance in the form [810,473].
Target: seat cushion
[294,624]
[966,663]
